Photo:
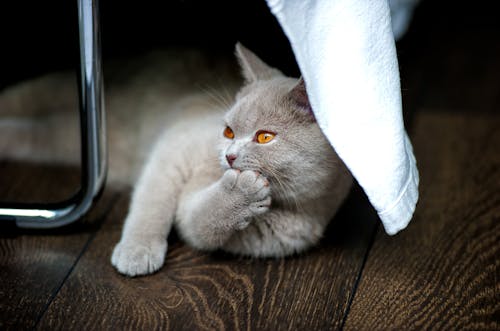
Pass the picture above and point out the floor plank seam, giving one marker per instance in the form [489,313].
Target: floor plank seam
[80,255]
[358,278]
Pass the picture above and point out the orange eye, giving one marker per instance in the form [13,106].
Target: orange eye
[263,137]
[228,133]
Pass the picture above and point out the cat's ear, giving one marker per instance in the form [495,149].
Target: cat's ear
[298,95]
[252,66]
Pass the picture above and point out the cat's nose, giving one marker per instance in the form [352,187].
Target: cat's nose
[230,159]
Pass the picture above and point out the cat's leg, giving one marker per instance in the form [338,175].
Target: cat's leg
[143,244]
[209,217]
[278,233]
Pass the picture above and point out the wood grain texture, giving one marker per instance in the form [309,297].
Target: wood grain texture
[34,264]
[442,272]
[198,291]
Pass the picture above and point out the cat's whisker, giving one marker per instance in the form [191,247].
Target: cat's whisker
[299,147]
[228,96]
[305,151]
[291,197]
[216,96]
[334,164]
[284,187]
[215,99]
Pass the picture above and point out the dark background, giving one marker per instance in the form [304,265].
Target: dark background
[41,36]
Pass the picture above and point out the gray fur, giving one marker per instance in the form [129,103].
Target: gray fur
[275,200]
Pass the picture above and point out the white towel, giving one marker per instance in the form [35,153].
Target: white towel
[346,52]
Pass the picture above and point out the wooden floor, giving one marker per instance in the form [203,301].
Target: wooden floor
[440,273]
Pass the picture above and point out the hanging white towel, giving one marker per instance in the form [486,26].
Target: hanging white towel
[346,52]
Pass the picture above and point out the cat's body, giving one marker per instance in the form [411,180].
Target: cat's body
[267,187]
[261,180]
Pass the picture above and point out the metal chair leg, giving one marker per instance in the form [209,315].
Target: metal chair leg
[92,122]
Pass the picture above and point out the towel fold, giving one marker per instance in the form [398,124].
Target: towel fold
[346,52]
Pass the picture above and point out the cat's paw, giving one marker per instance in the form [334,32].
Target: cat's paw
[134,258]
[252,186]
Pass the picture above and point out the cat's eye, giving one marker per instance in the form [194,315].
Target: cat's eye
[263,137]
[228,133]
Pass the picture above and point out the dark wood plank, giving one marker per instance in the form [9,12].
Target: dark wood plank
[196,291]
[442,272]
[34,264]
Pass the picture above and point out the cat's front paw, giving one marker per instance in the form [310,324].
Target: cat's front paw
[252,186]
[137,258]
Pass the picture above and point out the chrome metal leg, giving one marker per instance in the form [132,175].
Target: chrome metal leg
[92,122]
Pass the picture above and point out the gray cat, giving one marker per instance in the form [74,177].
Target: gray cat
[262,181]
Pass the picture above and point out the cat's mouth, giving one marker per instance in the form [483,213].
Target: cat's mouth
[227,162]
[245,167]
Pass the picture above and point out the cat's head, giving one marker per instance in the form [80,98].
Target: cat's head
[271,129]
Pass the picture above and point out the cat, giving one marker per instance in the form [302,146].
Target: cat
[251,175]
[260,181]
